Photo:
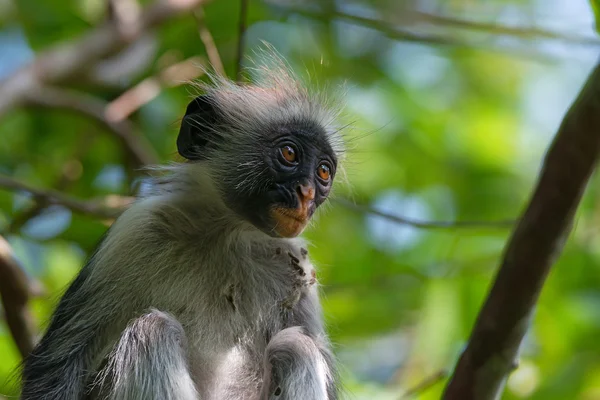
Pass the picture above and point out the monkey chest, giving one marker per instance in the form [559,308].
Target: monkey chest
[228,363]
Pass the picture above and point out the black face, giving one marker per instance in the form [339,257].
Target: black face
[289,173]
[299,167]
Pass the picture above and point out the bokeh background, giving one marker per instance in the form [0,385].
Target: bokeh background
[452,105]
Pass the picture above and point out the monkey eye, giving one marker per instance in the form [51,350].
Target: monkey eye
[277,391]
[289,154]
[324,171]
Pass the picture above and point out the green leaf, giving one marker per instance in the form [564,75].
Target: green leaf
[596,9]
[51,21]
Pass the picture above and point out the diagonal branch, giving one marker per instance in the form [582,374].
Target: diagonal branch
[535,244]
[426,224]
[15,292]
[127,103]
[405,33]
[68,175]
[125,14]
[524,32]
[137,147]
[209,43]
[61,62]
[388,29]
[413,17]
[107,207]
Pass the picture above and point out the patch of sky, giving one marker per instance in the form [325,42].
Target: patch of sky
[15,50]
[565,17]
[416,65]
[297,35]
[388,235]
[549,89]
[111,178]
[30,254]
[160,112]
[424,71]
[377,359]
[370,104]
[355,40]
[53,221]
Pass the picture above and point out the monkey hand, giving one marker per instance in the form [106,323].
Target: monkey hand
[303,276]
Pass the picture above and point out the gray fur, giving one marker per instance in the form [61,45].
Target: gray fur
[185,300]
[296,367]
[149,361]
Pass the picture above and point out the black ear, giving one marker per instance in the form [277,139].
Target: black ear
[197,128]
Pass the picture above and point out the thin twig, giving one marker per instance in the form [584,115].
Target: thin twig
[536,242]
[136,145]
[394,31]
[15,292]
[523,32]
[108,207]
[64,180]
[426,224]
[65,60]
[209,43]
[126,15]
[416,17]
[390,30]
[133,99]
[425,384]
[241,39]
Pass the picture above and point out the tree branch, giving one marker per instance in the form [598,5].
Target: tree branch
[209,43]
[384,27]
[15,291]
[523,32]
[125,14]
[536,242]
[61,62]
[394,31]
[425,224]
[44,96]
[70,172]
[107,207]
[127,103]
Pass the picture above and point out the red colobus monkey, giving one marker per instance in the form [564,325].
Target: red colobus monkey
[201,289]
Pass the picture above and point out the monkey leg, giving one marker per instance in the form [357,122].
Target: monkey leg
[149,362]
[295,368]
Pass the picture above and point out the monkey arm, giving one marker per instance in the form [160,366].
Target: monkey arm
[308,315]
[303,321]
[148,362]
[295,368]
[298,362]
[302,351]
[55,368]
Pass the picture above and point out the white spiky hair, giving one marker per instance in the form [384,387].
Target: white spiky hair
[275,94]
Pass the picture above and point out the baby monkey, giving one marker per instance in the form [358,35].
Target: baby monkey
[201,289]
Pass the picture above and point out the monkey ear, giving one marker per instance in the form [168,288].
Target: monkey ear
[197,127]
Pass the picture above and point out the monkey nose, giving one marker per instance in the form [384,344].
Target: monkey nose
[306,191]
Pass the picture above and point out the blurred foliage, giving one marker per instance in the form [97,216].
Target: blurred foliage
[439,132]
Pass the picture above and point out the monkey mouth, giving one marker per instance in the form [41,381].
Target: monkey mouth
[289,222]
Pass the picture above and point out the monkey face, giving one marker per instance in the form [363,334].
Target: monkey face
[294,177]
[273,171]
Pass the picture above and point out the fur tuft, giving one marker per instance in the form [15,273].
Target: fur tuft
[276,95]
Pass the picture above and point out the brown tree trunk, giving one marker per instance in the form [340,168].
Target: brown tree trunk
[538,239]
